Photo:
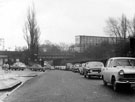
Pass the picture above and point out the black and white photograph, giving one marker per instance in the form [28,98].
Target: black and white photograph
[67,50]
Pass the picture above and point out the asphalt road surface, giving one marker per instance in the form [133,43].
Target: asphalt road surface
[66,86]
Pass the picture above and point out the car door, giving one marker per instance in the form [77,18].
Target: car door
[107,70]
[104,70]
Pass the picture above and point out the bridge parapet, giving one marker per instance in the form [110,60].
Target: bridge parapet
[56,56]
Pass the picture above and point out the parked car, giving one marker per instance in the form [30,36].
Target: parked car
[76,67]
[47,67]
[37,67]
[62,67]
[18,66]
[52,68]
[69,66]
[119,71]
[81,69]
[57,67]
[93,69]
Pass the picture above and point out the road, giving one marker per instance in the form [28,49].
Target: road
[66,86]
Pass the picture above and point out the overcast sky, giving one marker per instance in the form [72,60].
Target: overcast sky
[60,20]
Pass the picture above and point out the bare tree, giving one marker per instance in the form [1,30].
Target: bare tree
[131,27]
[64,46]
[131,30]
[117,27]
[112,27]
[32,33]
[124,26]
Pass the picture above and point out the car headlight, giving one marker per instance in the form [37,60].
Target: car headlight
[91,71]
[121,72]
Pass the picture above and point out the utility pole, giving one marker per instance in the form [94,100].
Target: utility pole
[2,43]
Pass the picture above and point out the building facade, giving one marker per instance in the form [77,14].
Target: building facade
[82,42]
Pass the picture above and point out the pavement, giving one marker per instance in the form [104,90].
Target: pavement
[9,80]
[8,83]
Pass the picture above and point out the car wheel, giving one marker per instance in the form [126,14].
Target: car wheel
[104,82]
[89,76]
[115,85]
[80,73]
[85,75]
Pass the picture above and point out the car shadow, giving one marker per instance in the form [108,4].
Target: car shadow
[92,78]
[95,78]
[122,91]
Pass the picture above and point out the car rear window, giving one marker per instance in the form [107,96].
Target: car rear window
[95,64]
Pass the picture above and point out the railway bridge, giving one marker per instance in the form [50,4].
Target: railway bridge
[56,59]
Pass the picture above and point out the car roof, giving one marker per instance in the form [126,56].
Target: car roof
[122,58]
[94,62]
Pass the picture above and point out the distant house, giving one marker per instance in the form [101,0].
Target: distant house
[9,56]
[3,58]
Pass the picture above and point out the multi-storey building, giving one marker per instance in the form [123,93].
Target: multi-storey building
[82,42]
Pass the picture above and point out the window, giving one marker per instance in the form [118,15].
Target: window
[124,62]
[110,62]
